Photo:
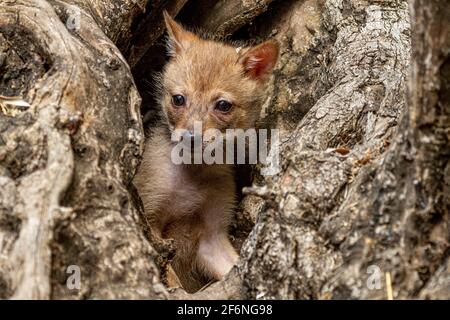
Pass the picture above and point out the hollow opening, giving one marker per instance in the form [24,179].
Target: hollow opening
[259,30]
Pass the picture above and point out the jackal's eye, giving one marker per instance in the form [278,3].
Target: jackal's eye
[223,106]
[178,100]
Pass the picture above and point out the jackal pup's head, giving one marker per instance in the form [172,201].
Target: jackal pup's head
[212,82]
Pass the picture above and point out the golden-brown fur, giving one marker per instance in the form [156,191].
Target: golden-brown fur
[189,203]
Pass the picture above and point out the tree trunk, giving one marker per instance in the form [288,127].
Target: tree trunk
[67,162]
[359,210]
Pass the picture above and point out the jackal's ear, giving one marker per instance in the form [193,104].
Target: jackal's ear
[179,38]
[259,61]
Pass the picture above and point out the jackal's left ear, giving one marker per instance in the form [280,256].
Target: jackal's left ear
[179,38]
[260,60]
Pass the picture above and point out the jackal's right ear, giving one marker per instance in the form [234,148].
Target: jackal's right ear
[179,38]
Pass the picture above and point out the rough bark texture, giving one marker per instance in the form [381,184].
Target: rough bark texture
[150,28]
[223,17]
[328,217]
[310,204]
[365,179]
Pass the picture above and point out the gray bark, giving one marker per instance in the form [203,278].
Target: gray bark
[382,207]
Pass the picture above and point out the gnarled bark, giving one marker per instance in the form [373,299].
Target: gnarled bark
[359,210]
[67,162]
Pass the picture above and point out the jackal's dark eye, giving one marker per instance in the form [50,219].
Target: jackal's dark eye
[223,106]
[178,100]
